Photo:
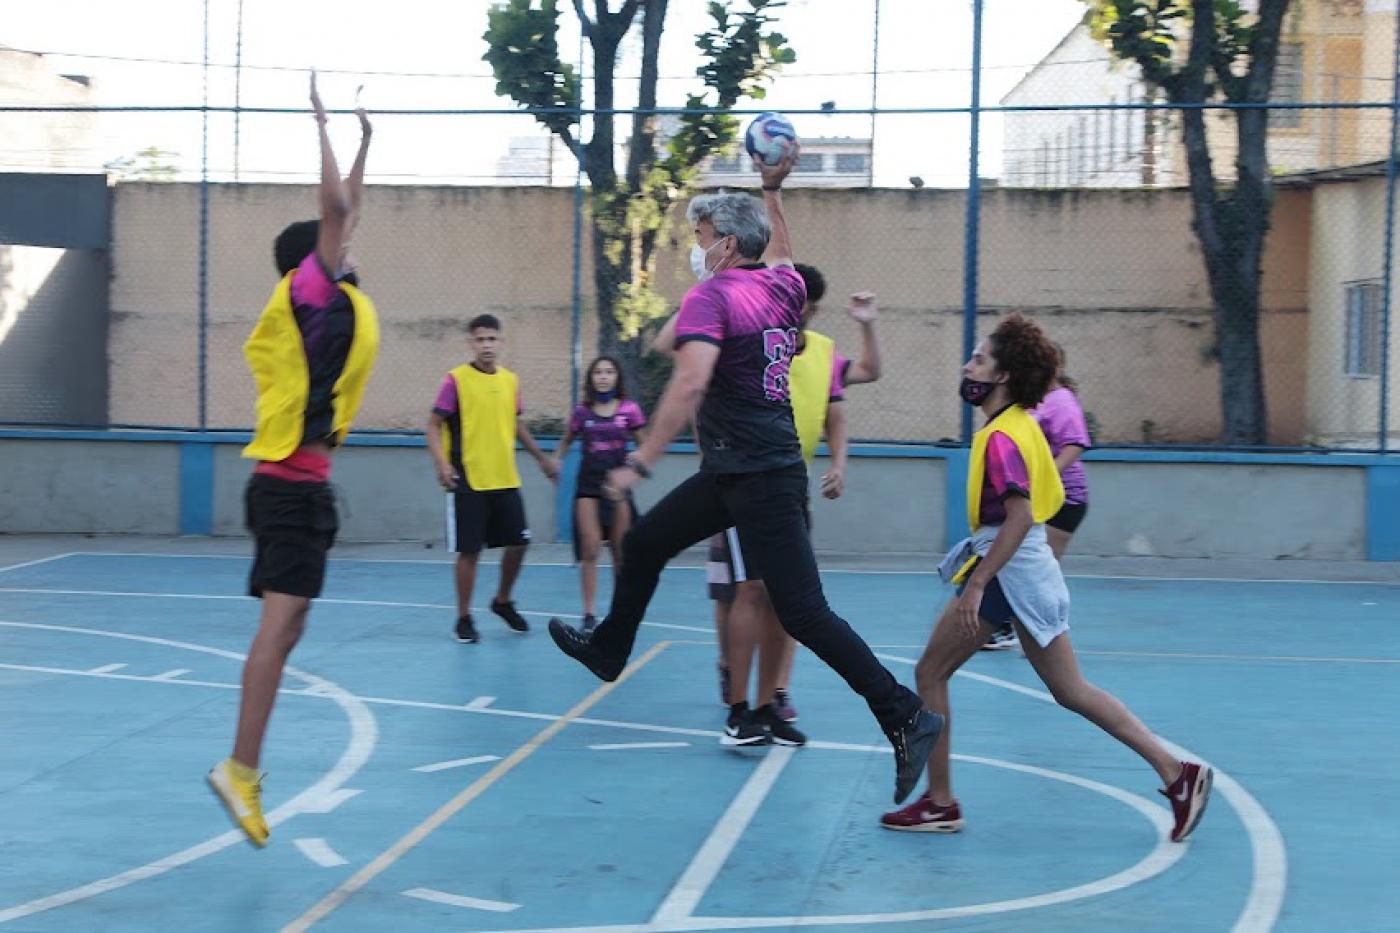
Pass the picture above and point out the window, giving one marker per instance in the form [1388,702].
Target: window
[809,163]
[852,163]
[1288,85]
[730,165]
[1363,309]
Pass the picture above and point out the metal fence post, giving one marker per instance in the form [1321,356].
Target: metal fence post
[974,209]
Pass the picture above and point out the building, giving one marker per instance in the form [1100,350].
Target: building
[1332,51]
[826,162]
[45,142]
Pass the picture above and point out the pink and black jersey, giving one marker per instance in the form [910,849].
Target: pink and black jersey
[752,313]
[1062,419]
[605,437]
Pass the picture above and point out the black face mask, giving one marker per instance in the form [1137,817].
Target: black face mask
[974,392]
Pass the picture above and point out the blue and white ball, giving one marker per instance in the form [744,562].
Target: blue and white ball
[769,136]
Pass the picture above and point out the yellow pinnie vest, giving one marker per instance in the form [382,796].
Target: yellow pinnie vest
[1047,492]
[486,411]
[277,358]
[809,384]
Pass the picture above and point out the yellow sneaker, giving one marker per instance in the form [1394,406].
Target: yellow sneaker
[238,787]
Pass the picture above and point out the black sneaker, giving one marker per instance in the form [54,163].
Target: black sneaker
[579,646]
[743,729]
[465,631]
[913,741]
[780,731]
[512,618]
[590,622]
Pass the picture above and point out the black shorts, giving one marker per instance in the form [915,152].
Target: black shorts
[607,514]
[1069,516]
[725,564]
[494,518]
[293,527]
[995,609]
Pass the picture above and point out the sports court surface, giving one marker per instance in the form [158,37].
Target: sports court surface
[418,784]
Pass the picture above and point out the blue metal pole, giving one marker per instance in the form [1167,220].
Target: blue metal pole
[204,241]
[1389,278]
[974,209]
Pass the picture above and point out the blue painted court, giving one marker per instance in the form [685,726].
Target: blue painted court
[418,784]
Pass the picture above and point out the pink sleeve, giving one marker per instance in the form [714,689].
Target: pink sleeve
[700,316]
[839,365]
[1072,426]
[311,286]
[576,419]
[1006,471]
[636,418]
[446,401]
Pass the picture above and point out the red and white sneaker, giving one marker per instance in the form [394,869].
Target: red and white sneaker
[1188,794]
[922,816]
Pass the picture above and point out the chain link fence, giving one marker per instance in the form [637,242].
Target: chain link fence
[1082,215]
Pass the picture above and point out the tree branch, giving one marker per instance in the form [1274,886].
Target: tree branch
[584,23]
[643,152]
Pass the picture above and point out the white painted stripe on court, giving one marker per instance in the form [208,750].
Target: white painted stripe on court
[172,674]
[1270,857]
[624,746]
[328,802]
[684,897]
[457,763]
[480,703]
[320,852]
[106,669]
[459,900]
[364,734]
[37,562]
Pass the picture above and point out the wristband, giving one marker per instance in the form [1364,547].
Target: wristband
[637,466]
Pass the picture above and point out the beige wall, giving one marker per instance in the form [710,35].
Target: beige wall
[1349,220]
[1115,276]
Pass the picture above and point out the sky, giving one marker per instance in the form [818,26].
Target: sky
[426,54]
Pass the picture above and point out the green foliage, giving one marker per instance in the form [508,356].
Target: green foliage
[149,164]
[524,56]
[1151,32]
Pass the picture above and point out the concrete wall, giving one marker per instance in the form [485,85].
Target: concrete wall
[80,487]
[897,500]
[1115,276]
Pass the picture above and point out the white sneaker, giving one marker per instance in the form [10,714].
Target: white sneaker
[1003,639]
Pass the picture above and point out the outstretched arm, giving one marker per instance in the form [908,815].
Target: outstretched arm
[335,203]
[780,241]
[355,181]
[867,368]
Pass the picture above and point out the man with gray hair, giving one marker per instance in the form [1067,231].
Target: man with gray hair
[735,336]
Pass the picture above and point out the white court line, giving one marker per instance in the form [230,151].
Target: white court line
[364,733]
[1270,878]
[1190,655]
[701,568]
[480,703]
[457,763]
[685,896]
[623,746]
[35,563]
[172,674]
[320,852]
[390,604]
[106,669]
[458,900]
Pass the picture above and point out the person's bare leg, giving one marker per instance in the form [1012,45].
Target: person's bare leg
[1058,669]
[772,652]
[590,541]
[466,582]
[1059,540]
[511,562]
[621,524]
[789,658]
[745,623]
[280,628]
[949,647]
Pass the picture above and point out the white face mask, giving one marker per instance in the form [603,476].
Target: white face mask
[698,255]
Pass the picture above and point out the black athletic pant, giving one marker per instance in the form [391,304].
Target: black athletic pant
[768,511]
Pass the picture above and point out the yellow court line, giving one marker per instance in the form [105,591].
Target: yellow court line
[389,856]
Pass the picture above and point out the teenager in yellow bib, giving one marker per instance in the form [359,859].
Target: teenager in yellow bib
[471,435]
[310,354]
[1008,573]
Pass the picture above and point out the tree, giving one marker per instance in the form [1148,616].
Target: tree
[149,164]
[629,210]
[1230,55]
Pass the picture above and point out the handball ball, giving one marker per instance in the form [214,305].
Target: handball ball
[769,136]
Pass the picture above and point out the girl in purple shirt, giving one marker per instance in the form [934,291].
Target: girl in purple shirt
[606,421]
